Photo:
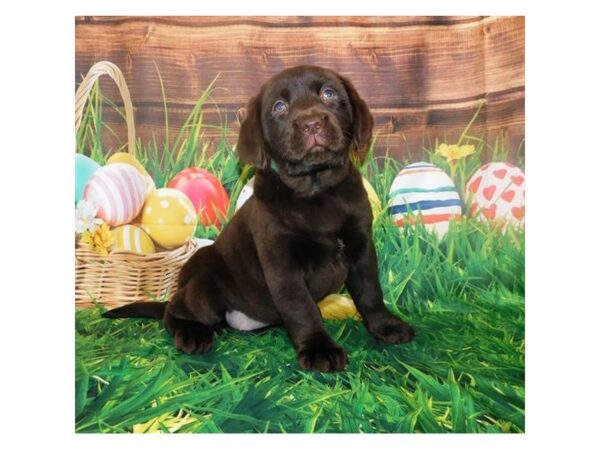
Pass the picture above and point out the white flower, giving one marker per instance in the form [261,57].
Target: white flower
[85,217]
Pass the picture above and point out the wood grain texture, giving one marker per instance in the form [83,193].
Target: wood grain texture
[423,77]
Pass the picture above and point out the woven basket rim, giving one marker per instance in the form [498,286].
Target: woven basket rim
[191,243]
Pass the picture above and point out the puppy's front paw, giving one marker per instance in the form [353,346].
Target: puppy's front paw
[393,331]
[323,356]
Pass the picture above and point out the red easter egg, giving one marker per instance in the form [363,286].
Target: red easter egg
[206,192]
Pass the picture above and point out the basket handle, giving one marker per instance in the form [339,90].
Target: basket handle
[84,89]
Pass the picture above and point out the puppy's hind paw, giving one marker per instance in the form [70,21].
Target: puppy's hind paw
[197,339]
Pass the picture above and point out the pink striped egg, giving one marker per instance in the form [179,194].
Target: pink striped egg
[119,191]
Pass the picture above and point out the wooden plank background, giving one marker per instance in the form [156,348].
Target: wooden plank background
[423,77]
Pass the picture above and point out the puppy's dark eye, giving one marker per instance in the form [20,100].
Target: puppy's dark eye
[327,94]
[279,107]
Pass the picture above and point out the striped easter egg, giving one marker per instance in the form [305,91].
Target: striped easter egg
[132,239]
[424,193]
[119,191]
[126,158]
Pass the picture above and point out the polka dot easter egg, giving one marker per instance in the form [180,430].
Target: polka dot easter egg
[169,218]
[118,191]
[497,192]
[132,239]
[422,192]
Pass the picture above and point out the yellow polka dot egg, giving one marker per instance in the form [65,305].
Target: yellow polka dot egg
[169,218]
[132,239]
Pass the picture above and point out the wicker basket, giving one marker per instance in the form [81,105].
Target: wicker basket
[121,278]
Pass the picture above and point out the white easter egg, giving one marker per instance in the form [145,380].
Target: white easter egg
[245,193]
[204,242]
[422,192]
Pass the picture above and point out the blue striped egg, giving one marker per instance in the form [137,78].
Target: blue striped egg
[424,193]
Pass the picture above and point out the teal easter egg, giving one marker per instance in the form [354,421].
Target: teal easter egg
[84,169]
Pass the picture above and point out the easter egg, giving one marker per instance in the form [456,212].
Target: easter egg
[373,198]
[84,169]
[169,217]
[204,242]
[497,192]
[245,193]
[208,196]
[422,192]
[338,307]
[132,239]
[118,191]
[127,158]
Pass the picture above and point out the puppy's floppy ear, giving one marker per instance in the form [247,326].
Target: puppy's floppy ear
[251,142]
[363,120]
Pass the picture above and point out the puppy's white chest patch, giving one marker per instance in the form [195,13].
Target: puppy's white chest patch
[240,321]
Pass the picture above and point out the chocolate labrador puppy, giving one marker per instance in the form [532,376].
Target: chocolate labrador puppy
[304,233]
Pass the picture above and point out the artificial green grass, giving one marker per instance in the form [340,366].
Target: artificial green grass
[464,372]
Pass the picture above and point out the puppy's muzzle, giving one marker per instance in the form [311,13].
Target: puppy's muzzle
[311,124]
[312,128]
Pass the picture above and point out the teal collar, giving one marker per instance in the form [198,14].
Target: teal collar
[314,181]
[274,166]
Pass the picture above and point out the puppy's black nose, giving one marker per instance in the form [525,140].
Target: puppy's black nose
[311,125]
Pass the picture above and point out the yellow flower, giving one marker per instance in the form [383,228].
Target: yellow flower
[454,152]
[165,422]
[100,239]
